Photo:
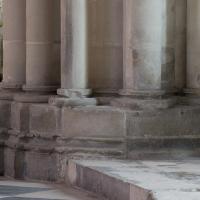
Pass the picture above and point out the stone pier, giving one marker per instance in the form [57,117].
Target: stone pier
[193,61]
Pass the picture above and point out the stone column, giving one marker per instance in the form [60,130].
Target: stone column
[193,48]
[74,53]
[181,47]
[14,49]
[149,49]
[42,68]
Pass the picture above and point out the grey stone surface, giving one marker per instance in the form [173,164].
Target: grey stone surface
[179,121]
[19,190]
[5,107]
[93,122]
[72,102]
[43,137]
[42,166]
[9,158]
[20,118]
[1,160]
[138,180]
[45,120]
[6,190]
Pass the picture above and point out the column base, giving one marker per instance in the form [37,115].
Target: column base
[74,93]
[72,102]
[144,104]
[145,99]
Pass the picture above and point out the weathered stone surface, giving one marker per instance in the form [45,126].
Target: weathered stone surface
[14,36]
[9,159]
[163,147]
[20,118]
[1,160]
[142,180]
[193,30]
[93,121]
[180,51]
[42,166]
[42,56]
[179,121]
[5,107]
[144,104]
[96,182]
[105,45]
[44,120]
[149,45]
[72,102]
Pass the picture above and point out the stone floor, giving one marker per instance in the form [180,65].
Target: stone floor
[166,180]
[18,190]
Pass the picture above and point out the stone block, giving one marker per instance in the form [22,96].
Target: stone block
[94,181]
[20,117]
[163,147]
[179,121]
[20,164]
[5,108]
[93,122]
[42,166]
[1,160]
[9,162]
[44,120]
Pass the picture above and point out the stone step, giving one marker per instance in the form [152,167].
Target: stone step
[138,180]
[78,194]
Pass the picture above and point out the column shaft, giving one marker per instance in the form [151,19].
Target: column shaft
[193,47]
[149,47]
[14,49]
[42,65]
[74,45]
[180,53]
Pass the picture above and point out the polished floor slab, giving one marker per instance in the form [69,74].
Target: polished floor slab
[23,190]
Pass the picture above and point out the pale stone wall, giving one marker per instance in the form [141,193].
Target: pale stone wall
[106,45]
[1,39]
